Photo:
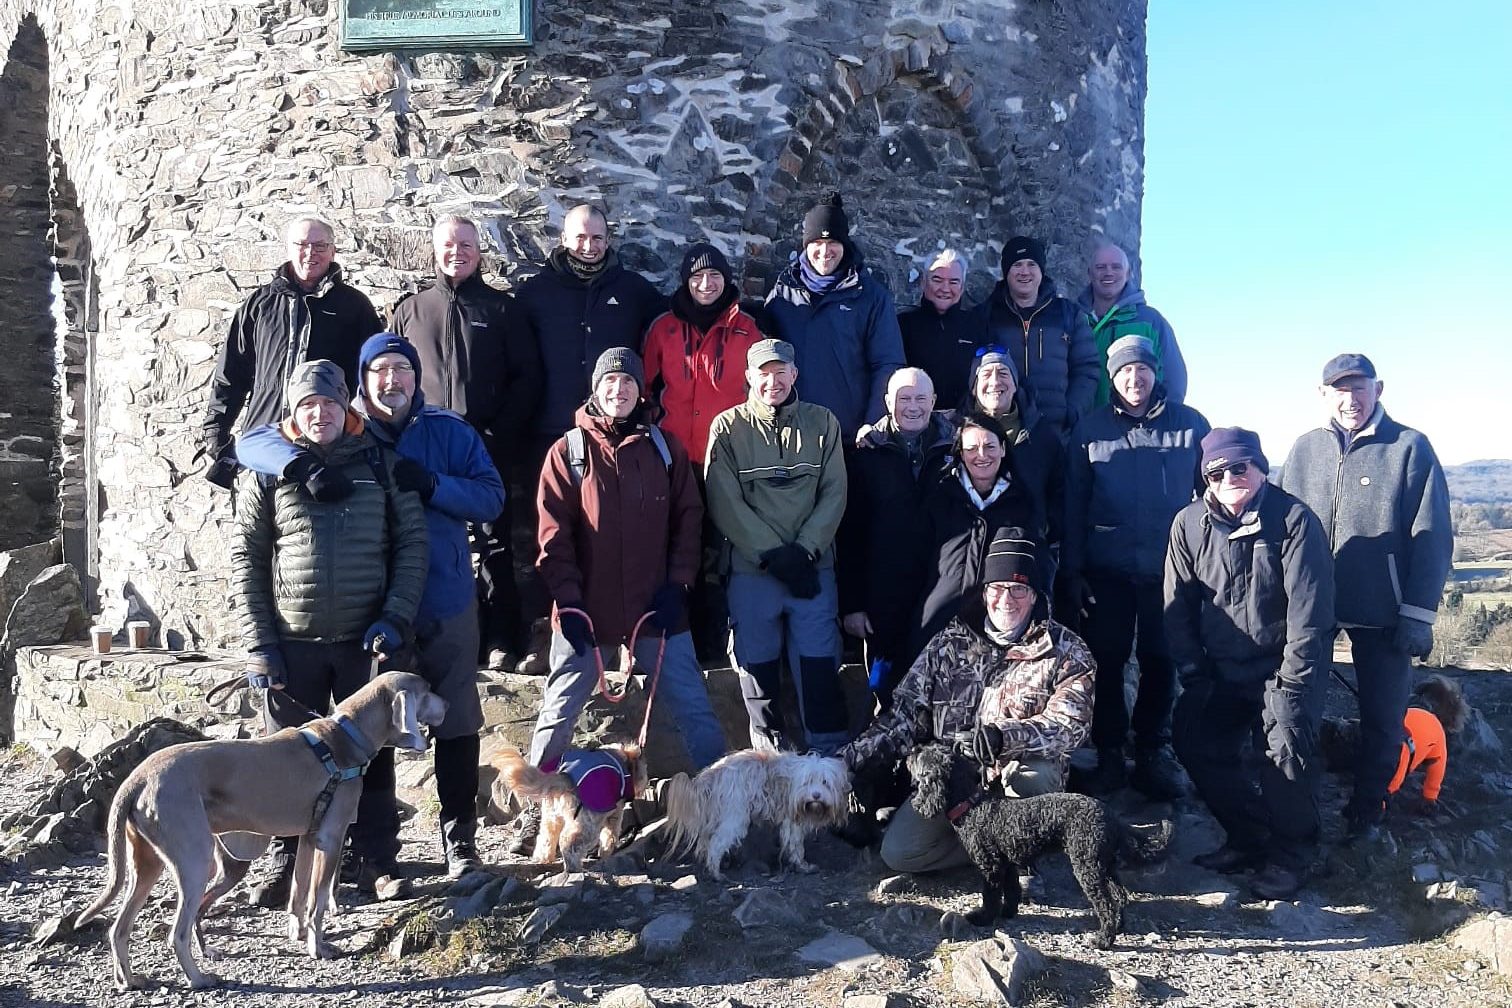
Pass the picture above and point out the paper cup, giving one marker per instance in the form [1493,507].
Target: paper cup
[137,631]
[101,636]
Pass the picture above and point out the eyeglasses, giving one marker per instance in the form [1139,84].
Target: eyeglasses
[983,351]
[383,370]
[1237,469]
[313,246]
[1013,591]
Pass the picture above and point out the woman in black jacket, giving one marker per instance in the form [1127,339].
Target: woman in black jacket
[979,494]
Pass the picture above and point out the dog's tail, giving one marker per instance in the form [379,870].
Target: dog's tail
[116,851]
[1443,698]
[526,780]
[1145,846]
[686,815]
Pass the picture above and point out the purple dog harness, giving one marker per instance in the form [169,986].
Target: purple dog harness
[601,780]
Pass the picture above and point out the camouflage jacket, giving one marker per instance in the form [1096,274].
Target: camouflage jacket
[1038,691]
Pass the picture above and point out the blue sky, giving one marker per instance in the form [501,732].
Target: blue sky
[1329,177]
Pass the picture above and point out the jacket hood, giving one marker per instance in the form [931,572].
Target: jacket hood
[1131,297]
[284,279]
[351,434]
[557,261]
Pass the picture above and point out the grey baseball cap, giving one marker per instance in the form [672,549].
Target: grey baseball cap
[768,350]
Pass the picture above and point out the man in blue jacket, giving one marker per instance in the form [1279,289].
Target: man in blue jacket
[839,319]
[1131,465]
[1381,495]
[442,458]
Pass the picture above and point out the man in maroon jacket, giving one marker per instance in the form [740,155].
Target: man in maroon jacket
[620,525]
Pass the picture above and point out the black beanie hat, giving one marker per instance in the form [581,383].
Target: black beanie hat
[1224,446]
[827,221]
[317,377]
[622,360]
[1013,557]
[704,256]
[1023,247]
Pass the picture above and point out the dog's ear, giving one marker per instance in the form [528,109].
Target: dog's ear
[406,723]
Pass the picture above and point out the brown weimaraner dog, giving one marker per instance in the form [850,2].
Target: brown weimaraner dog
[205,806]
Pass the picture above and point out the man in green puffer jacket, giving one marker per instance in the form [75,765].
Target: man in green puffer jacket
[327,569]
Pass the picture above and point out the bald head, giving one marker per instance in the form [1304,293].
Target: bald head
[1108,274]
[585,233]
[910,399]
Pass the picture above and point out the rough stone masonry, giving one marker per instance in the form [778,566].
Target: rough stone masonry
[156,150]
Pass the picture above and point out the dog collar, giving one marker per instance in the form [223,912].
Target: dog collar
[364,747]
[328,759]
[971,802]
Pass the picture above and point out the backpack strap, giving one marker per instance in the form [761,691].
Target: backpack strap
[577,451]
[374,456]
[660,440]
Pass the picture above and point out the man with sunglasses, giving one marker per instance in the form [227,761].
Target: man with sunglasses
[1131,465]
[1380,491]
[306,312]
[1249,610]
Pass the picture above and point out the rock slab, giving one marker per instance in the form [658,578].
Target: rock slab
[996,970]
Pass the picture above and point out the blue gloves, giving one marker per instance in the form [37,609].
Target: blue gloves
[383,637]
[266,669]
[667,607]
[1414,636]
[577,632]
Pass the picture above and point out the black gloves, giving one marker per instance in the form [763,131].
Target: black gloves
[1414,636]
[1074,598]
[792,565]
[577,632]
[325,485]
[987,745]
[667,606]
[266,669]
[222,472]
[414,477]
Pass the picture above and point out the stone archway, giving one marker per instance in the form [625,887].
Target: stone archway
[911,104]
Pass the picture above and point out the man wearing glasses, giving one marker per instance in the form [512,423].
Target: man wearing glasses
[1249,615]
[306,312]
[1380,491]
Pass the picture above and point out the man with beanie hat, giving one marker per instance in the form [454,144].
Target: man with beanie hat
[1381,493]
[839,319]
[1114,307]
[1131,465]
[322,585]
[776,482]
[1249,615]
[579,304]
[942,333]
[1014,689]
[306,312]
[1045,334]
[620,523]
[478,365]
[443,460]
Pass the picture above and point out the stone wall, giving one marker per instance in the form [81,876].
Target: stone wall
[180,140]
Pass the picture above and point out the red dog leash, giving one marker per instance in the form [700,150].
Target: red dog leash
[603,678]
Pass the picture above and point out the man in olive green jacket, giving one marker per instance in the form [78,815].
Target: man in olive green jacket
[776,487]
[328,567]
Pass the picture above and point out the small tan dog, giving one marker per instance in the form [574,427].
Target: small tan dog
[799,794]
[214,805]
[582,800]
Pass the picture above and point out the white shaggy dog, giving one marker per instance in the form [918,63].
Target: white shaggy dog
[798,794]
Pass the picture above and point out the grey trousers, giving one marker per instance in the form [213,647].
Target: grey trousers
[914,844]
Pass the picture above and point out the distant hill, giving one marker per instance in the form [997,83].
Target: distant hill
[1487,481]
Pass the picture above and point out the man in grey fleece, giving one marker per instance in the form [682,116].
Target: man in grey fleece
[1380,492]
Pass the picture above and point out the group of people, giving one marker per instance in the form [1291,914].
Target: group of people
[1000,503]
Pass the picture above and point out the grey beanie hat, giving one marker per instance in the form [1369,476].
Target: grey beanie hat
[317,377]
[1128,350]
[622,360]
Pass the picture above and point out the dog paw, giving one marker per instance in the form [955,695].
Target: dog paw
[322,949]
[212,953]
[1103,941]
[805,868]
[980,918]
[130,982]
[204,981]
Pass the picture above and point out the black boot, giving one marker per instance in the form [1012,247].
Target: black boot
[457,839]
[271,890]
[1156,775]
[1109,776]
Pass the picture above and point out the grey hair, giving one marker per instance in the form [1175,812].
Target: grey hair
[330,229]
[913,376]
[947,257]
[1104,242]
[448,220]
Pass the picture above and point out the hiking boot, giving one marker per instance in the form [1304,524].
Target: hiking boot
[382,880]
[1109,775]
[500,660]
[523,831]
[538,653]
[351,867]
[1277,883]
[1360,831]
[1228,860]
[457,838]
[1157,775]
[271,891]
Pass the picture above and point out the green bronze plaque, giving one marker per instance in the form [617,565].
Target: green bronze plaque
[367,25]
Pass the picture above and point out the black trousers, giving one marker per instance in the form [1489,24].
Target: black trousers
[1266,802]
[1123,606]
[319,675]
[1383,672]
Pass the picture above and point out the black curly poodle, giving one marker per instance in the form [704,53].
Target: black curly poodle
[1002,833]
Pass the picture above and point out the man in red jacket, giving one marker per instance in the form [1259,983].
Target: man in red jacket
[620,524]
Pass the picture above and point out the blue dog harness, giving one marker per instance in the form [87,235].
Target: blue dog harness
[336,774]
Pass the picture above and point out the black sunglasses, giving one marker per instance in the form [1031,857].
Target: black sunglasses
[1237,469]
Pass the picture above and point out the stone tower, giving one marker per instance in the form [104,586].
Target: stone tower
[152,153]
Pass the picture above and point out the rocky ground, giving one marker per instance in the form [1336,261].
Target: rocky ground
[1367,932]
